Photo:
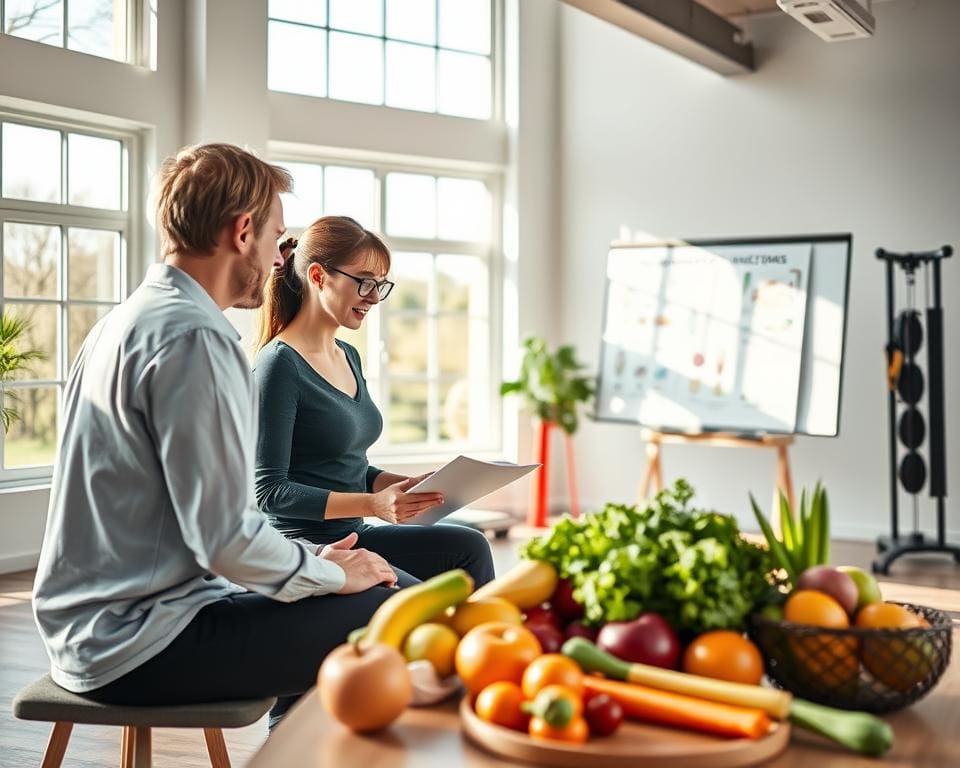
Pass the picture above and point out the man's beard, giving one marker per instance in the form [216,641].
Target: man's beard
[249,280]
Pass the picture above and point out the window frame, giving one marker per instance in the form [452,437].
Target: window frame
[126,220]
[139,33]
[492,254]
[496,57]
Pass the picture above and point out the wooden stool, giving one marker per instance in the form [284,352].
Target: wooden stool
[47,702]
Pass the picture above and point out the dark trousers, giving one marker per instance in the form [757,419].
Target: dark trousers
[249,646]
[417,552]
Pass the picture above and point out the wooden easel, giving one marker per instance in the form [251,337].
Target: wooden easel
[653,472]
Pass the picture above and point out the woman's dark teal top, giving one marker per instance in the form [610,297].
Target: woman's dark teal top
[313,439]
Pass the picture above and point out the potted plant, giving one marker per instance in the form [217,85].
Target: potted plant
[554,388]
[13,359]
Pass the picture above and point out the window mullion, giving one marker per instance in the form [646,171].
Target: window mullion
[433,356]
[62,293]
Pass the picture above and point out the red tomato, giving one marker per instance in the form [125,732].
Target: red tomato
[542,614]
[603,715]
[563,602]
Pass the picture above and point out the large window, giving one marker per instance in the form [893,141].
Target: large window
[425,55]
[428,353]
[97,27]
[64,225]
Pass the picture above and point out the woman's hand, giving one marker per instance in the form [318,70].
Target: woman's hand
[420,478]
[394,505]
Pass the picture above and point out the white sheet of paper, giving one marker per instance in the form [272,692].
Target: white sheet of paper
[463,481]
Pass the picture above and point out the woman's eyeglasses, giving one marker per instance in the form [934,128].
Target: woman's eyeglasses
[367,285]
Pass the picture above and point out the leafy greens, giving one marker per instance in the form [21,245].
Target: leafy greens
[690,566]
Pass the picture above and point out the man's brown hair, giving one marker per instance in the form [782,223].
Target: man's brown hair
[204,188]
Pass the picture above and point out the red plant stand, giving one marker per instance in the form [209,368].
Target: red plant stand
[537,514]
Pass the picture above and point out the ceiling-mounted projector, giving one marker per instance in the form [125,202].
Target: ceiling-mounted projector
[833,20]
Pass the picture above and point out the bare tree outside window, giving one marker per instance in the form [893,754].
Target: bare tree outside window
[32,264]
[97,27]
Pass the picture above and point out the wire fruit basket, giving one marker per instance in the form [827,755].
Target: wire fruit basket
[872,670]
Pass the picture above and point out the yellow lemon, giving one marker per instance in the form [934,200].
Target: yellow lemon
[434,643]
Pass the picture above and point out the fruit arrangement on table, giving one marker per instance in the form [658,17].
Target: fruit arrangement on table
[639,615]
[828,636]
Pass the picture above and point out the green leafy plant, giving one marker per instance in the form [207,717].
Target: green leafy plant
[551,383]
[805,537]
[691,566]
[13,359]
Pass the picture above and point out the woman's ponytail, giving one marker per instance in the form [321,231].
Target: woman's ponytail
[282,296]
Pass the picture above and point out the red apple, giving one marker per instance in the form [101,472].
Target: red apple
[648,639]
[542,614]
[347,676]
[579,629]
[549,636]
[563,602]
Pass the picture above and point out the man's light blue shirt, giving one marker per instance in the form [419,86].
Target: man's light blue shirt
[152,508]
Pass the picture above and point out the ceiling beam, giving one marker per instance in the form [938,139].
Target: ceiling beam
[682,26]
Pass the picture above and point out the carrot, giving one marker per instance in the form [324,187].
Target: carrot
[674,709]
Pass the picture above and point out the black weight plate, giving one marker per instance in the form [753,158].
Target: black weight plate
[910,383]
[913,473]
[908,331]
[912,429]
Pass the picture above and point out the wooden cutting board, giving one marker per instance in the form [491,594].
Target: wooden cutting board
[634,744]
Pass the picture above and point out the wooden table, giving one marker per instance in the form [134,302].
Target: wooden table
[927,735]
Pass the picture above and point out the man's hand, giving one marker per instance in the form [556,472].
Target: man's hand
[363,568]
[394,505]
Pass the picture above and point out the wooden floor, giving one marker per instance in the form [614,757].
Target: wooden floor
[22,659]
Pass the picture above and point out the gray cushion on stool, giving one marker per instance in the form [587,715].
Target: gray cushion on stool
[45,700]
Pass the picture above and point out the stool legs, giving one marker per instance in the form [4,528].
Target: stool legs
[141,750]
[216,748]
[57,745]
[136,747]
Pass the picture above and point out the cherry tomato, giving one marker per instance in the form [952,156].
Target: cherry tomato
[603,715]
[551,669]
[499,703]
[575,731]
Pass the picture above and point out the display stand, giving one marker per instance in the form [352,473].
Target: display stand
[905,337]
[653,472]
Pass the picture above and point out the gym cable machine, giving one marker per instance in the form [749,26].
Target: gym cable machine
[905,379]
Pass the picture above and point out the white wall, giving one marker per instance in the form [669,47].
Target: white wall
[858,136]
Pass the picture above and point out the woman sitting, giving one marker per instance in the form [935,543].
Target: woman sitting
[317,419]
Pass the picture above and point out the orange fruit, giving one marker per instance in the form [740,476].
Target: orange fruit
[551,669]
[886,615]
[807,606]
[494,652]
[825,661]
[472,614]
[575,731]
[897,662]
[500,703]
[724,655]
